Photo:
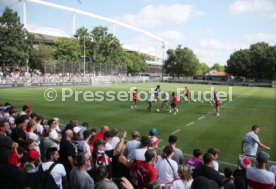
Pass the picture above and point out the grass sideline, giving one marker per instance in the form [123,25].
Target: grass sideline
[195,124]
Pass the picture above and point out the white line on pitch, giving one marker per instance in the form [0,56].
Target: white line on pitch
[176,131]
[200,118]
[189,124]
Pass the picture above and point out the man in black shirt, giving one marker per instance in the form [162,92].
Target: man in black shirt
[207,171]
[6,142]
[67,153]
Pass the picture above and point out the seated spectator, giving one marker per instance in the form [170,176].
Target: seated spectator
[132,145]
[166,167]
[208,171]
[215,153]
[195,161]
[258,177]
[273,170]
[103,181]
[145,171]
[79,178]
[227,181]
[185,178]
[178,154]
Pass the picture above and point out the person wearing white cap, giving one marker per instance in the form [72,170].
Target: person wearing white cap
[258,177]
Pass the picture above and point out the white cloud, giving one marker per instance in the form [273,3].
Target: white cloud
[151,16]
[264,7]
[258,37]
[171,36]
[212,51]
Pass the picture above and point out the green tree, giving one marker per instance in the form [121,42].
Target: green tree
[42,59]
[240,64]
[202,69]
[181,62]
[67,50]
[217,67]
[136,62]
[15,41]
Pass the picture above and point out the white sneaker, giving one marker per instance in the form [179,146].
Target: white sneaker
[170,111]
[174,113]
[217,114]
[131,107]
[176,110]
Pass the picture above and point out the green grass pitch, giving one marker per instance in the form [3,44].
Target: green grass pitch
[195,125]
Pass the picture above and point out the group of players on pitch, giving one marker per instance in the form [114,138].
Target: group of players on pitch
[164,98]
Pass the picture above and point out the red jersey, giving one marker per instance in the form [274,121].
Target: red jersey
[217,102]
[134,95]
[98,136]
[175,101]
[145,174]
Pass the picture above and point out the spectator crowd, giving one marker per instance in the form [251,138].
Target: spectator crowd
[36,154]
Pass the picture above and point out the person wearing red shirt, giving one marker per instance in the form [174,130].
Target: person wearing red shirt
[145,171]
[218,102]
[100,135]
[174,104]
[134,99]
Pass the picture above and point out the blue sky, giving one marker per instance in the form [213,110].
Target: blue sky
[212,29]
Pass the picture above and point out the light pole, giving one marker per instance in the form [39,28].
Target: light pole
[83,55]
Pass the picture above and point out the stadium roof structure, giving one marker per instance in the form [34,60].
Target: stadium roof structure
[49,35]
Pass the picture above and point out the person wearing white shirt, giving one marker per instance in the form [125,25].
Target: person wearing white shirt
[251,142]
[31,127]
[115,139]
[166,167]
[58,172]
[139,154]
[258,177]
[132,145]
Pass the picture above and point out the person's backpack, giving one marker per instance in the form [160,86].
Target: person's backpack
[45,178]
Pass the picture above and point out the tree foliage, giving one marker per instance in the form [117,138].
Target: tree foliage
[67,50]
[181,62]
[217,67]
[15,42]
[258,62]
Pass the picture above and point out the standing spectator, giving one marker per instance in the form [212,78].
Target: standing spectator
[207,170]
[215,153]
[195,161]
[139,154]
[67,152]
[120,164]
[31,127]
[100,135]
[58,172]
[26,110]
[185,180]
[107,139]
[132,145]
[31,166]
[227,181]
[103,181]
[79,178]
[115,139]
[166,167]
[54,134]
[251,142]
[258,177]
[39,125]
[6,143]
[84,145]
[178,154]
[18,133]
[153,139]
[45,143]
[145,170]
